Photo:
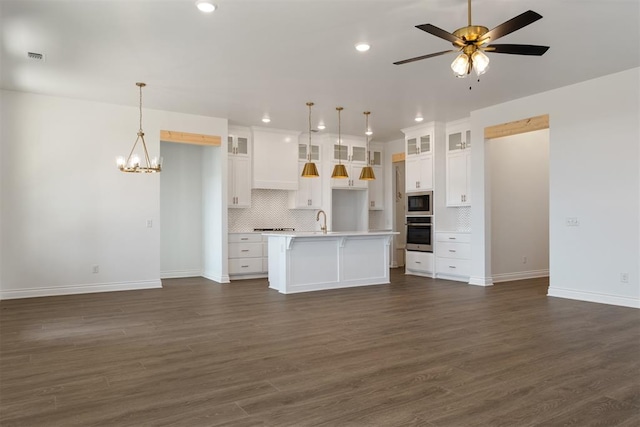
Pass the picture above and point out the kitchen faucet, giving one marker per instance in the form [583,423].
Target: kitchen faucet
[324,227]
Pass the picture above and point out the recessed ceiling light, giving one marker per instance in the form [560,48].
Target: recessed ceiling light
[321,126]
[418,119]
[205,6]
[266,120]
[362,47]
[368,133]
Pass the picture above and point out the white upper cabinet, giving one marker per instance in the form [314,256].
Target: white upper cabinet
[309,192]
[458,164]
[275,159]
[352,153]
[419,143]
[458,136]
[239,168]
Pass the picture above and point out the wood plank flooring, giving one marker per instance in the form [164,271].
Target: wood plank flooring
[418,352]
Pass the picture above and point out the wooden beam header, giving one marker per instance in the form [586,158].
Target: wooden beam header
[190,138]
[397,157]
[519,126]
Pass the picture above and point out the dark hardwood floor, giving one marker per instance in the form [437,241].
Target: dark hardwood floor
[417,352]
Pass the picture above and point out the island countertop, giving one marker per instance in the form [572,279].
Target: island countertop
[302,261]
[329,233]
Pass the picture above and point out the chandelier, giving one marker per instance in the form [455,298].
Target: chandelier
[132,163]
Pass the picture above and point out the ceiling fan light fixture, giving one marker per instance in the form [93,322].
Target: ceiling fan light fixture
[460,65]
[480,62]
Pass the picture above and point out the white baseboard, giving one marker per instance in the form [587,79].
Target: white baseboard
[216,277]
[80,289]
[593,297]
[520,275]
[481,281]
[178,274]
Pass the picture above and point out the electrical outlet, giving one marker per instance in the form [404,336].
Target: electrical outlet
[149,223]
[95,269]
[572,222]
[624,277]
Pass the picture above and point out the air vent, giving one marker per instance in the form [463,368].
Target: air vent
[35,56]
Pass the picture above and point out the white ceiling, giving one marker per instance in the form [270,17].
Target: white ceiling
[257,57]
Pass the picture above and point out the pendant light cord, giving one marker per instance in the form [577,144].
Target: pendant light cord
[309,147]
[140,108]
[339,137]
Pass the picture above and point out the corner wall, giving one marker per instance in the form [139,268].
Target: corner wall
[67,208]
[594,165]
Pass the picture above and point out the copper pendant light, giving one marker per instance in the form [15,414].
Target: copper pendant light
[310,170]
[367,171]
[339,171]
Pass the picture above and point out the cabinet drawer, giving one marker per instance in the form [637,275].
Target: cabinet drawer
[453,267]
[245,266]
[245,237]
[453,250]
[453,237]
[419,261]
[245,250]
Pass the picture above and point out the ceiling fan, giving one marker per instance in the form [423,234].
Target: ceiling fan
[473,40]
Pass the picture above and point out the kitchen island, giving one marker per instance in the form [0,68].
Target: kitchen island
[314,261]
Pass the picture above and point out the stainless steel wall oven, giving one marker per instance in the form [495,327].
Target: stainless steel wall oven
[419,233]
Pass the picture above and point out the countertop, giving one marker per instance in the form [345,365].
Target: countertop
[329,233]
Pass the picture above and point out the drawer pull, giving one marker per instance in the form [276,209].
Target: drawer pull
[244,250]
[244,238]
[452,238]
[452,250]
[244,266]
[452,266]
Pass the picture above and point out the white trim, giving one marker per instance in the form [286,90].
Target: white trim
[178,274]
[520,275]
[481,281]
[593,297]
[80,289]
[248,276]
[445,276]
[219,278]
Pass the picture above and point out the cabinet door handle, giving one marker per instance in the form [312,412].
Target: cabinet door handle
[452,250]
[418,262]
[452,266]
[452,238]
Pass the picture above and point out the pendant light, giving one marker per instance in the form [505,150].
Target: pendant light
[367,171]
[310,170]
[339,171]
[132,163]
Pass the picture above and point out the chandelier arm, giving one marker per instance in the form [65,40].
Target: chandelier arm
[146,153]
[132,150]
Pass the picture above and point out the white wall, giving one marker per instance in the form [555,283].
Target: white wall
[66,207]
[519,169]
[594,175]
[181,250]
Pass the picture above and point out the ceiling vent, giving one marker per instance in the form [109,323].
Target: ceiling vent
[35,56]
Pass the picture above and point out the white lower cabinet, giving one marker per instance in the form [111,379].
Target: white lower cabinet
[453,256]
[247,256]
[419,263]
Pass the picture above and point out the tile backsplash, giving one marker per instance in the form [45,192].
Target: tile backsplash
[269,208]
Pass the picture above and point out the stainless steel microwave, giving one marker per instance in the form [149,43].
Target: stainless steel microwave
[420,203]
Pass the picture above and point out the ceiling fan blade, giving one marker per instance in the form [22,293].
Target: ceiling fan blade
[439,32]
[517,49]
[511,25]
[418,58]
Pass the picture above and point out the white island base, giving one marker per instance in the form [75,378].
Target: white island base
[303,262]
